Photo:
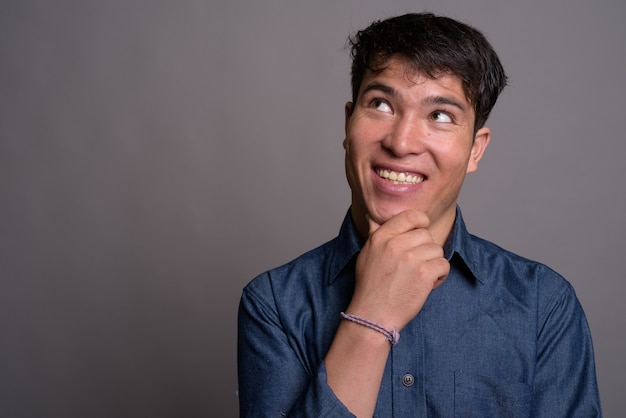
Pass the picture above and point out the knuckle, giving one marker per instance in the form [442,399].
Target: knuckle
[419,218]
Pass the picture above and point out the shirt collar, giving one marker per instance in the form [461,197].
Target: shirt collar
[345,247]
[459,246]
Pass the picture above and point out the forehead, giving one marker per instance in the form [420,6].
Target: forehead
[405,75]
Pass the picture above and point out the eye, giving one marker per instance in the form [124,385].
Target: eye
[441,117]
[381,106]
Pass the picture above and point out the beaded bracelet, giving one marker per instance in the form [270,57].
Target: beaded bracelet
[392,335]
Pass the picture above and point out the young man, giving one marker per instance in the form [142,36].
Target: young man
[484,332]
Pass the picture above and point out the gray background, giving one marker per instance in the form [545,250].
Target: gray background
[157,155]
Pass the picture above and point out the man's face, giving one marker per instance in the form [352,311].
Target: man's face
[409,143]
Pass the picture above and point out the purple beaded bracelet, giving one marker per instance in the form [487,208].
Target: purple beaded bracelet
[392,335]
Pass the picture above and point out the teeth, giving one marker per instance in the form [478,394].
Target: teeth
[399,178]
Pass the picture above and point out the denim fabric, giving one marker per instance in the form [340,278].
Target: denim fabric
[502,337]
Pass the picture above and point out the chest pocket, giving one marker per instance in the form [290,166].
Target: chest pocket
[477,396]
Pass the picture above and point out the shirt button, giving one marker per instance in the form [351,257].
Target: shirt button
[408,380]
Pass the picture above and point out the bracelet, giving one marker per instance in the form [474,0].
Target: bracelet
[392,335]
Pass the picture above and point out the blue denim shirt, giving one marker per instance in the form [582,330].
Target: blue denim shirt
[502,337]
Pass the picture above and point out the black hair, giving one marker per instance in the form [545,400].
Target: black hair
[435,45]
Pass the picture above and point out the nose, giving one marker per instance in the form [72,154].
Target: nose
[406,137]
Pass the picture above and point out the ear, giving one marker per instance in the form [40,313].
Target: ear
[481,140]
[347,113]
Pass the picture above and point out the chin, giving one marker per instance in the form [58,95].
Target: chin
[382,215]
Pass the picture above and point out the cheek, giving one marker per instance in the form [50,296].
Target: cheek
[350,164]
[458,170]
[354,153]
[453,157]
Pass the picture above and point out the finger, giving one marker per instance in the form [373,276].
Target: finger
[439,282]
[443,273]
[416,244]
[406,221]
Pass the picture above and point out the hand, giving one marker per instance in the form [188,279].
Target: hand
[399,265]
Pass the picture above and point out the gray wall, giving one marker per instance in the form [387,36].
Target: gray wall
[156,155]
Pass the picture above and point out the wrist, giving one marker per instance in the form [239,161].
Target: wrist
[391,334]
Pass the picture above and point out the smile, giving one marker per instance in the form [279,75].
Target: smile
[399,178]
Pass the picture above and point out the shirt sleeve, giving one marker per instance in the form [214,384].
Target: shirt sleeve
[273,379]
[565,377]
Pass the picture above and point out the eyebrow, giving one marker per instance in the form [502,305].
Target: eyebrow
[430,100]
[380,87]
[444,100]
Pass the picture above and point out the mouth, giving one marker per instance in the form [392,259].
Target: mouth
[399,177]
